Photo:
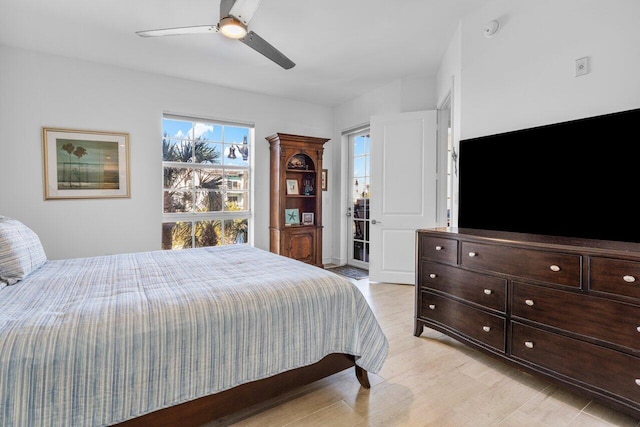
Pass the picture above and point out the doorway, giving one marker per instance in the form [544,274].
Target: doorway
[358,199]
[447,161]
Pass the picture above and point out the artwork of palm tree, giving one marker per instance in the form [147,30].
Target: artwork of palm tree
[68,147]
[99,169]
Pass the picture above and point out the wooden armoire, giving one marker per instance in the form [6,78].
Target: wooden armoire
[295,225]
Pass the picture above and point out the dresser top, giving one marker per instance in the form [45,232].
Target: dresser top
[557,242]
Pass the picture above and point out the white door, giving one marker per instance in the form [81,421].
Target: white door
[403,191]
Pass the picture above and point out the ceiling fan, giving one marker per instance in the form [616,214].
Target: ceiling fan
[234,19]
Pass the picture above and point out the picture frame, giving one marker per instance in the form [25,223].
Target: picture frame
[323,179]
[85,164]
[291,217]
[292,186]
[307,218]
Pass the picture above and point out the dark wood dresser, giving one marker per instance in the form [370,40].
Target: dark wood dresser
[564,308]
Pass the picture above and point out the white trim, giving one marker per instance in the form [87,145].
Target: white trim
[350,258]
[356,129]
[178,116]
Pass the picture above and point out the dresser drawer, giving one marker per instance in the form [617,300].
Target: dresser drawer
[605,369]
[615,322]
[483,289]
[615,276]
[439,249]
[479,325]
[545,266]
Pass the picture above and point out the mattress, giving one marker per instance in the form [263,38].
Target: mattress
[96,341]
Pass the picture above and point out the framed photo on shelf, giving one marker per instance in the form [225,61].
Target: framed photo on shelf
[307,218]
[291,217]
[292,186]
[324,178]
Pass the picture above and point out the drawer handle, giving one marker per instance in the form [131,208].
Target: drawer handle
[529,302]
[433,276]
[486,328]
[472,254]
[554,268]
[438,248]
[629,279]
[487,291]
[638,329]
[638,381]
[528,344]
[432,306]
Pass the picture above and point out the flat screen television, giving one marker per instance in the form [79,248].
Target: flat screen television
[578,179]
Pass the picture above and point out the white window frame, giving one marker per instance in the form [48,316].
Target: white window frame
[194,217]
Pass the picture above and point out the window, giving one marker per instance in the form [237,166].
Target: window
[206,189]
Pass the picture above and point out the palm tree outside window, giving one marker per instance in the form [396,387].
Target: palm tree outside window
[206,188]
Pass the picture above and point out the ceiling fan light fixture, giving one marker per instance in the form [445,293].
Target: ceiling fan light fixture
[232,28]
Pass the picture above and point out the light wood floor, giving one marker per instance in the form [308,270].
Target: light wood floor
[428,381]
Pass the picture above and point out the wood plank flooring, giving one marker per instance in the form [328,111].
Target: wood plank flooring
[428,381]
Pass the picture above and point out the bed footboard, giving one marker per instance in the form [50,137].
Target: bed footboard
[206,409]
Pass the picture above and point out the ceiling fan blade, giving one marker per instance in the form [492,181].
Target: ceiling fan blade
[225,7]
[244,9]
[260,45]
[198,29]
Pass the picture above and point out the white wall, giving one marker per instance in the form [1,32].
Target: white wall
[524,75]
[521,77]
[412,93]
[41,90]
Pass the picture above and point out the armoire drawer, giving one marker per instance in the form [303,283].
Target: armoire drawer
[489,291]
[477,324]
[598,318]
[615,276]
[559,268]
[608,370]
[439,249]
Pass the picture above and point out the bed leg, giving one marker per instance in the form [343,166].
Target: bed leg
[363,377]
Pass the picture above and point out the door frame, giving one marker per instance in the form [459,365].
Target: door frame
[450,162]
[343,196]
[444,162]
[447,102]
[349,193]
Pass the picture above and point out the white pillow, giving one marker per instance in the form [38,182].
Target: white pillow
[21,251]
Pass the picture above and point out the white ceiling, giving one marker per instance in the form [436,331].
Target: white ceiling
[342,48]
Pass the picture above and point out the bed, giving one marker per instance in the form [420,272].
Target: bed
[147,338]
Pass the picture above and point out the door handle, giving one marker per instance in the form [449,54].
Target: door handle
[348,213]
[373,221]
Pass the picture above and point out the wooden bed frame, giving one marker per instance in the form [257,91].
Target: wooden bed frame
[209,408]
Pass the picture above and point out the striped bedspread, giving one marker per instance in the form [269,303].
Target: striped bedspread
[95,341]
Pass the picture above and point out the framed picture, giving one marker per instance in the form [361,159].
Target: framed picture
[324,178]
[307,218]
[84,164]
[291,217]
[292,186]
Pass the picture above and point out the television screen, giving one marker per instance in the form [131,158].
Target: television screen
[577,179]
